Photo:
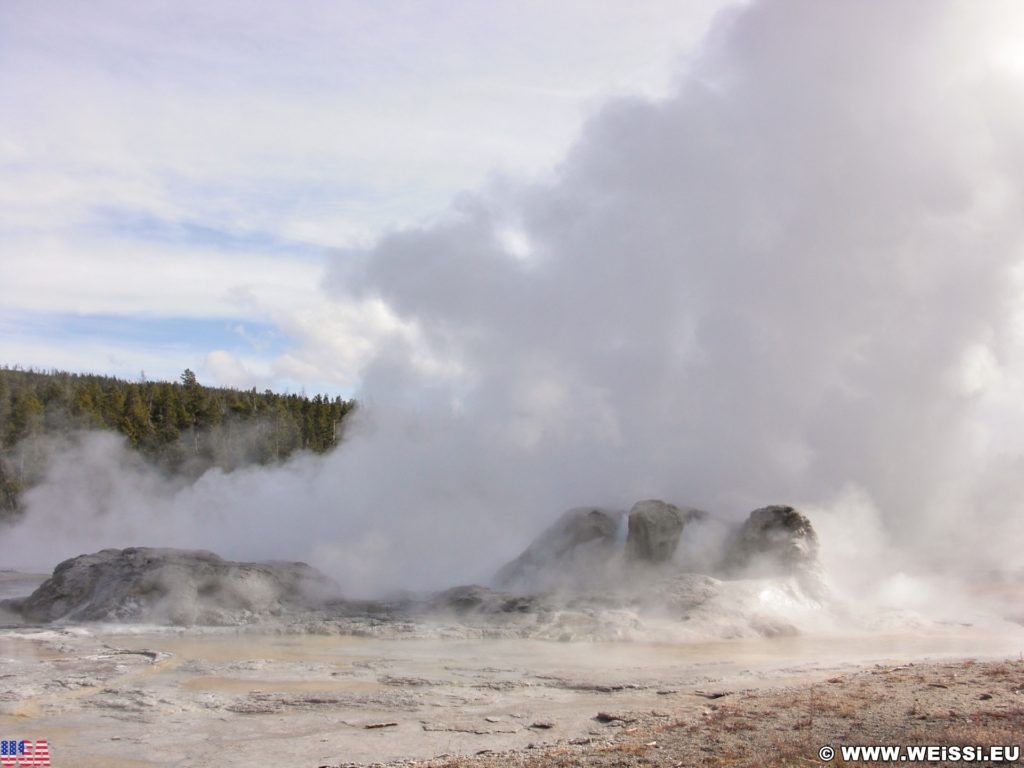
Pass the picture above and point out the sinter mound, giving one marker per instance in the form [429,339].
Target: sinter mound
[171,586]
[585,577]
[584,545]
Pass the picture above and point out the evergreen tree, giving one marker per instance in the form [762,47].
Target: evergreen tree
[179,427]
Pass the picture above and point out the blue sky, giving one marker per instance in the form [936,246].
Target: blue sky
[176,173]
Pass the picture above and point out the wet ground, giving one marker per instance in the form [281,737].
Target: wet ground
[315,692]
[116,696]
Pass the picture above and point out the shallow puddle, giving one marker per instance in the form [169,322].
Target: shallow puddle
[341,652]
[826,649]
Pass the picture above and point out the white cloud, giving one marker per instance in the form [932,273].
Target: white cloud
[325,122]
[124,277]
[312,126]
[334,341]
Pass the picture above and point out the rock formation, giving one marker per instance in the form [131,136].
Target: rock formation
[654,530]
[172,586]
[580,541]
[776,540]
[474,598]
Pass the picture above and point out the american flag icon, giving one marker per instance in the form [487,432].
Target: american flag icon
[14,753]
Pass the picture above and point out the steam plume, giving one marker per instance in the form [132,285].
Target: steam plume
[795,280]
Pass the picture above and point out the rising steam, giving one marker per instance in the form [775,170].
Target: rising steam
[796,280]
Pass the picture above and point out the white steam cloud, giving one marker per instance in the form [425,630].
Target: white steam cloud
[796,280]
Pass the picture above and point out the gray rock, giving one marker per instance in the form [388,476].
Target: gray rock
[473,598]
[580,541]
[774,541]
[654,529]
[172,586]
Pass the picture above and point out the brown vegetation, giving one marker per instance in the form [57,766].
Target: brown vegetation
[962,703]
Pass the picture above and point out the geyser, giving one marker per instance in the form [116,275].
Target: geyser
[577,580]
[797,276]
[582,549]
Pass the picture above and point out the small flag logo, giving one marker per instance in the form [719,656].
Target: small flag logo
[16,753]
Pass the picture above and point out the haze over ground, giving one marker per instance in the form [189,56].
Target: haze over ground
[793,276]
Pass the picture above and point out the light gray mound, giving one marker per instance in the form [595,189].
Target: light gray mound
[567,553]
[172,586]
[654,530]
[657,605]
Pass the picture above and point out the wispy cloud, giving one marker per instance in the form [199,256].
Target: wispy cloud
[187,160]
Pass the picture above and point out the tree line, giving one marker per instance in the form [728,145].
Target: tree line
[181,427]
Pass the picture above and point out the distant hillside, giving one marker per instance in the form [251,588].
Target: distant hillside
[181,427]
